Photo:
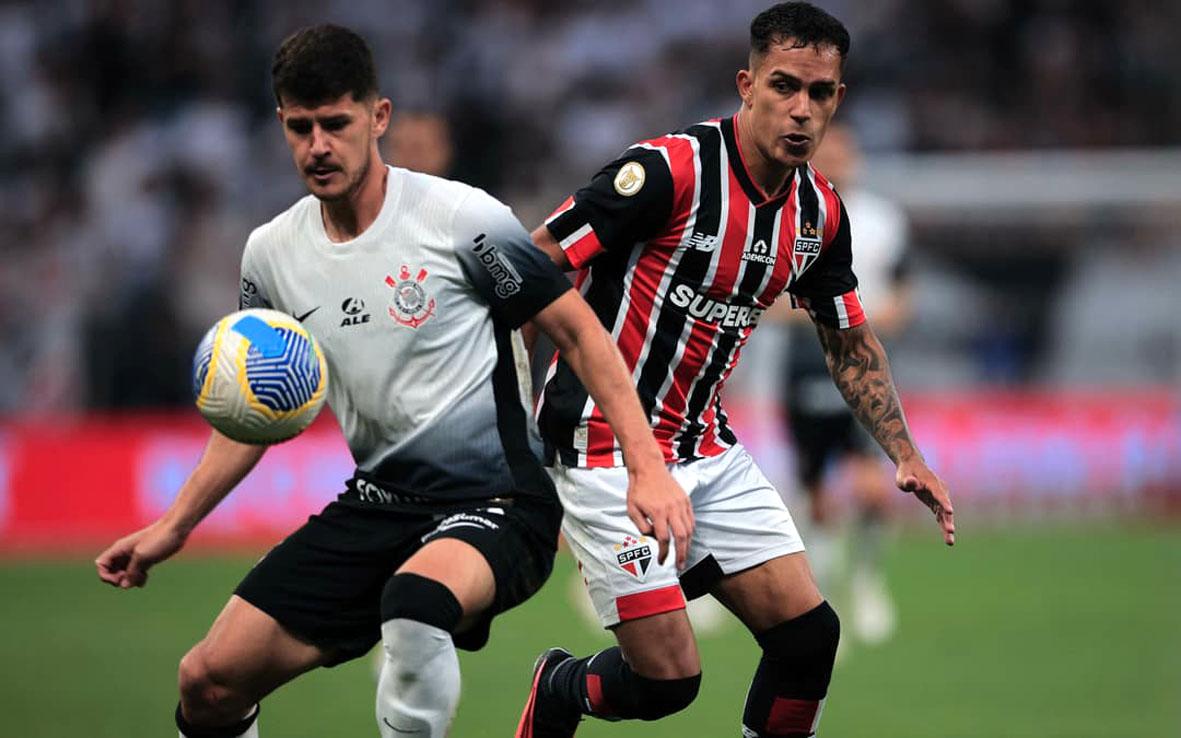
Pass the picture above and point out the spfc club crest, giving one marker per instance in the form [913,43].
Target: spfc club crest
[807,248]
[634,556]
[411,306]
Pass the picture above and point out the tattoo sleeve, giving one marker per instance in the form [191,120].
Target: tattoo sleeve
[859,367]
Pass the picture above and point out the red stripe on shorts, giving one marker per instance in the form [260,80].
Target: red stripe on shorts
[652,602]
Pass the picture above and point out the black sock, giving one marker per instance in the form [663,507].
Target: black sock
[604,686]
[228,731]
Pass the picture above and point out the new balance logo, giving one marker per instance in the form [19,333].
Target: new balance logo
[702,241]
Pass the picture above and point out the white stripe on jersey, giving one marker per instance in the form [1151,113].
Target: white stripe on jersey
[842,313]
[575,237]
[666,278]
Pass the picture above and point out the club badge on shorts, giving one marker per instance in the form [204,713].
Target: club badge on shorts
[411,306]
[634,556]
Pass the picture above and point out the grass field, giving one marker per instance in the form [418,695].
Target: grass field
[1059,633]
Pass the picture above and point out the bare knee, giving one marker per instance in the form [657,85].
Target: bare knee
[207,696]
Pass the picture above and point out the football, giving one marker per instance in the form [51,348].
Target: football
[259,376]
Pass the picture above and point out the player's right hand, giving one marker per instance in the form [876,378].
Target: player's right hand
[125,563]
[659,507]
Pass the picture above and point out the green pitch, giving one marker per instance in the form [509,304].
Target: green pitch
[1065,633]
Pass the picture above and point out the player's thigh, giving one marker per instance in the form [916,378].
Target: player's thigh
[660,646]
[460,567]
[248,652]
[492,556]
[768,594]
[635,595]
[742,521]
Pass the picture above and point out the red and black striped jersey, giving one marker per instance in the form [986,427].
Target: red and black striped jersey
[679,253]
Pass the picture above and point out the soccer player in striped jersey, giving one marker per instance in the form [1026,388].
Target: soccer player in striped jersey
[680,245]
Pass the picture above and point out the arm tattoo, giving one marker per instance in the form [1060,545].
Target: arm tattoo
[859,367]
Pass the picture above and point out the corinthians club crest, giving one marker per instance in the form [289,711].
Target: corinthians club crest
[634,556]
[411,306]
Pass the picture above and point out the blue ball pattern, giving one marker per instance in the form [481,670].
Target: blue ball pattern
[285,382]
[201,361]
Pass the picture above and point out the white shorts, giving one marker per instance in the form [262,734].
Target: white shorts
[741,522]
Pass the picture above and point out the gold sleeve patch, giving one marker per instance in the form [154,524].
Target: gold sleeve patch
[630,178]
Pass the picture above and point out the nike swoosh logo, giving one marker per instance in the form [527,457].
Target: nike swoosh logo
[302,318]
[396,729]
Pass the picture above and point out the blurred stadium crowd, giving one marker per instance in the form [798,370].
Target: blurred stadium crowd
[141,148]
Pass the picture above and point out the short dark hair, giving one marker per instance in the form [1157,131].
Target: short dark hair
[801,22]
[321,63]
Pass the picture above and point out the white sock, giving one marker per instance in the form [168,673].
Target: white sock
[419,685]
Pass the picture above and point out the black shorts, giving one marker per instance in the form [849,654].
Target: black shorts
[818,437]
[323,583]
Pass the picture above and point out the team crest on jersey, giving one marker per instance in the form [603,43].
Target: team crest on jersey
[630,178]
[634,556]
[411,306]
[807,248]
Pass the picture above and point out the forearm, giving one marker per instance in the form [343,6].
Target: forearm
[223,464]
[595,359]
[592,355]
[861,372]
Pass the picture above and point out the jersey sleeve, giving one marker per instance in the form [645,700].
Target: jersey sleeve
[251,292]
[514,277]
[630,200]
[828,289]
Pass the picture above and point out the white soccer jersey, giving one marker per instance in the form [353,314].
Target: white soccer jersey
[417,318]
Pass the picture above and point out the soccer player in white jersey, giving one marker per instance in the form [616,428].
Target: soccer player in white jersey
[414,287]
[821,425]
[681,244]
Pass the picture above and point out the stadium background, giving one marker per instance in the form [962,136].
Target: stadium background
[1035,144]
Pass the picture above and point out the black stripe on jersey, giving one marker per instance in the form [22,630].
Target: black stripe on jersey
[752,277]
[565,395]
[691,270]
[808,200]
[512,423]
[748,186]
[724,431]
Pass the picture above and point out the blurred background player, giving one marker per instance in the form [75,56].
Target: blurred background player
[420,140]
[822,428]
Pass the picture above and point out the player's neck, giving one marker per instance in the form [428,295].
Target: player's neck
[347,218]
[768,175]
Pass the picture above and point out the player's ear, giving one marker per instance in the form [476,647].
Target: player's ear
[745,82]
[279,113]
[382,110]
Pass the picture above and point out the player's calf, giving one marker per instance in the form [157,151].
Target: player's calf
[418,689]
[790,685]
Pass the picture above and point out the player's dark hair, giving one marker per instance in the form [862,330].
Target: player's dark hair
[320,63]
[802,23]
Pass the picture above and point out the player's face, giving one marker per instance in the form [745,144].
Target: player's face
[790,95]
[332,143]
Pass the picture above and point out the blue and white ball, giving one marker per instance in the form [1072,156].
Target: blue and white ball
[259,376]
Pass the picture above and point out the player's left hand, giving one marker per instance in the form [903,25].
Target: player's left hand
[916,477]
[659,507]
